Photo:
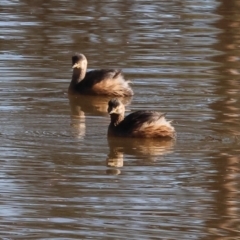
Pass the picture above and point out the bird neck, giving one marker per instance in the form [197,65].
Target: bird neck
[77,76]
[116,119]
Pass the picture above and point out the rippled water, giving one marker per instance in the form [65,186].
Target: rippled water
[61,178]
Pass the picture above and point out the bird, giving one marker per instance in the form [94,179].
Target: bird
[139,124]
[108,82]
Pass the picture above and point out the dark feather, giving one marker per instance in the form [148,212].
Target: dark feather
[97,82]
[146,124]
[135,120]
[95,76]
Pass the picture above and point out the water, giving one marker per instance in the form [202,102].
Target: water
[60,176]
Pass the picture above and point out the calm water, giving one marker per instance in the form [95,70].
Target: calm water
[61,178]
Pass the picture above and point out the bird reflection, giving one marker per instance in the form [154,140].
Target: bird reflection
[83,105]
[150,149]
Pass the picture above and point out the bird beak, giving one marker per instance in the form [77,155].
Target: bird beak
[111,111]
[76,65]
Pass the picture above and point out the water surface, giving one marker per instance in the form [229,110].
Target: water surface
[61,178]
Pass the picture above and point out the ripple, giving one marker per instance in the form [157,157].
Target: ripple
[60,175]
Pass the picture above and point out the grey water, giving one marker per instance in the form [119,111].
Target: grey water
[61,178]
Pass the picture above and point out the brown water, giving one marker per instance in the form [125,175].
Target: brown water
[61,179]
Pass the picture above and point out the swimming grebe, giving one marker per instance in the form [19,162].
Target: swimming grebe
[97,82]
[143,124]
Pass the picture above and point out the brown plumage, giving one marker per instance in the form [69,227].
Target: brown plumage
[144,124]
[97,82]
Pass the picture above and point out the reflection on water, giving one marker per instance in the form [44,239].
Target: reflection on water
[88,105]
[94,105]
[141,149]
[62,178]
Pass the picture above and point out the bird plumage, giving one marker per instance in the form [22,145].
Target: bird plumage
[147,124]
[97,82]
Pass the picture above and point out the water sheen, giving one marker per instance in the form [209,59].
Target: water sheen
[61,178]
